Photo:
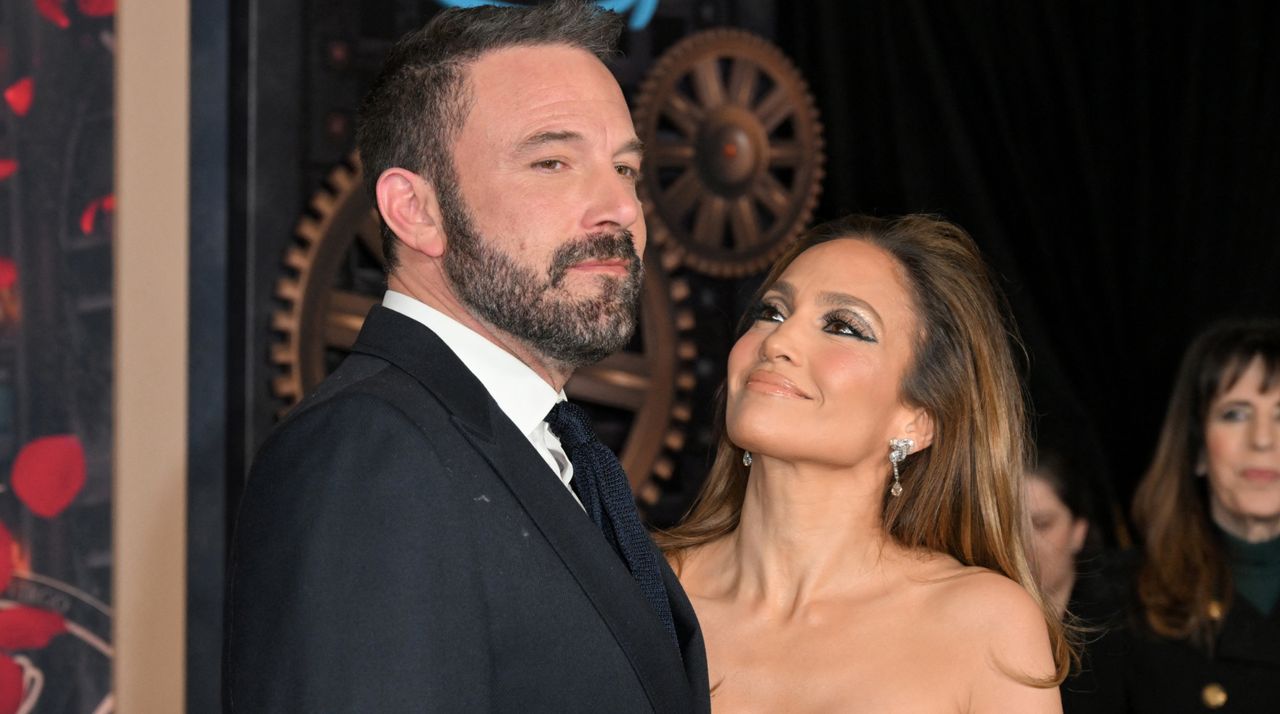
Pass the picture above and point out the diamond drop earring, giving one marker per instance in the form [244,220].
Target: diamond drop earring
[898,450]
[746,458]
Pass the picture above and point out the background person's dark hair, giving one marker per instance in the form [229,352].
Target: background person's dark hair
[420,100]
[1064,470]
[1185,563]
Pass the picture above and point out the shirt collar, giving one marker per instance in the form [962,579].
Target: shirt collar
[520,393]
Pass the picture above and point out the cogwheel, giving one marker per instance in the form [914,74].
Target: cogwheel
[733,152]
[333,274]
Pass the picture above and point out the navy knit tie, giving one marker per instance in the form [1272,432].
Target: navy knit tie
[602,486]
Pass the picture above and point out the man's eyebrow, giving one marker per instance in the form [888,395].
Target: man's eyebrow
[635,146]
[548,137]
[542,138]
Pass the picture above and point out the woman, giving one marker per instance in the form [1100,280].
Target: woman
[1208,514]
[1081,583]
[1056,505]
[858,544]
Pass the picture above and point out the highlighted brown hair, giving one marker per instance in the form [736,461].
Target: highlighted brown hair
[963,494]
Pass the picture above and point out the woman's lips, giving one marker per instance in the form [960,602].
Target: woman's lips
[775,384]
[1262,475]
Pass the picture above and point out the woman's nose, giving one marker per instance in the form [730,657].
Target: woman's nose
[1263,435]
[779,344]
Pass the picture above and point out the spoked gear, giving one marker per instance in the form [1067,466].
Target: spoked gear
[334,274]
[733,152]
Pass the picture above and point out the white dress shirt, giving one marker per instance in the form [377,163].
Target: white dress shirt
[521,394]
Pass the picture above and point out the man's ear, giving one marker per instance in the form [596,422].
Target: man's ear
[920,428]
[411,210]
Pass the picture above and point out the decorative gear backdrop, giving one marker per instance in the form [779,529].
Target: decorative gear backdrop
[733,152]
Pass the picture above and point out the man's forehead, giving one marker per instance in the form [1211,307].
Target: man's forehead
[531,66]
[546,93]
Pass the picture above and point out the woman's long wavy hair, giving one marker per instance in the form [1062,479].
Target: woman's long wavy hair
[962,495]
[1184,583]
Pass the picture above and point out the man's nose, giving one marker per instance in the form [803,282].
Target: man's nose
[612,201]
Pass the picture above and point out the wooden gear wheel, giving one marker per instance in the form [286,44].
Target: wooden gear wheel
[733,152]
[334,274]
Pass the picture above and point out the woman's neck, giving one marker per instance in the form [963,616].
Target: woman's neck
[806,532]
[1246,528]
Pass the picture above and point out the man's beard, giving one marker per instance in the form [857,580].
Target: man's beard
[533,307]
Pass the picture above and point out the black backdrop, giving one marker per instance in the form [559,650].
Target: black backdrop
[1119,163]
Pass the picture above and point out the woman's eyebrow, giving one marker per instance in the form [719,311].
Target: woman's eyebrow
[782,286]
[835,299]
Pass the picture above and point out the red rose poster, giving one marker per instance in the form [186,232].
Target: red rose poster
[56,193]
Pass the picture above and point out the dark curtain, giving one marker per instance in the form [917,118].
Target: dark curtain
[1119,163]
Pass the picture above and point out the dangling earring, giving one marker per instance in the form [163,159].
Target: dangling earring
[746,458]
[898,450]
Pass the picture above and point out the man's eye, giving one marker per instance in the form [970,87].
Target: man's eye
[630,172]
[549,164]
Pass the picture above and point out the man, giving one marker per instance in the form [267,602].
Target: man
[416,536]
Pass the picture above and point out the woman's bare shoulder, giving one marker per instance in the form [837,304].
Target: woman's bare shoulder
[983,596]
[1003,629]
[981,601]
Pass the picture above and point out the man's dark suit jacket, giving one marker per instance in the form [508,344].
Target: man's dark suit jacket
[401,547]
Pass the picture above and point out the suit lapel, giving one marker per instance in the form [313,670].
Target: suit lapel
[581,547]
[409,345]
[593,563]
[692,646]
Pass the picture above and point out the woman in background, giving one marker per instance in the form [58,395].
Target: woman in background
[858,544]
[1208,514]
[1059,527]
[1083,584]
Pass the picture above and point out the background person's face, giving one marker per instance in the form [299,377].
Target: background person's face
[544,228]
[1242,454]
[1056,535]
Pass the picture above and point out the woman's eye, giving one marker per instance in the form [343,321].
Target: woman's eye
[1234,414]
[840,326]
[765,311]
